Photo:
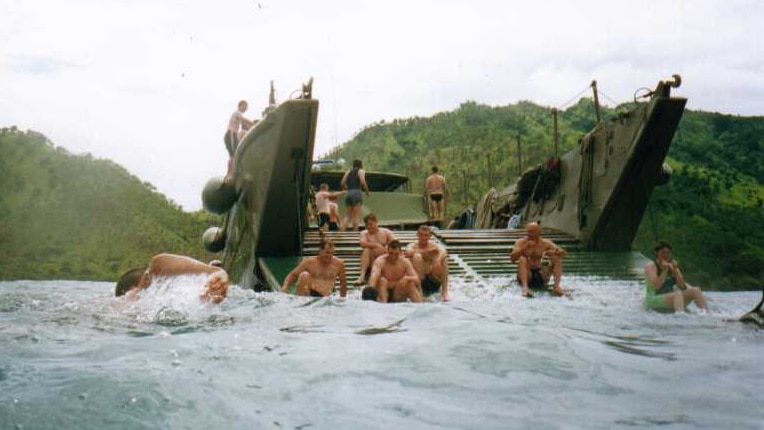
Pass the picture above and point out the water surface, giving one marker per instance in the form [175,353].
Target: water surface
[75,357]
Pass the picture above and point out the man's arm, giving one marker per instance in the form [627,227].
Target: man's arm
[290,277]
[442,253]
[344,181]
[655,279]
[389,235]
[552,249]
[518,250]
[376,270]
[362,178]
[216,287]
[410,272]
[174,265]
[364,242]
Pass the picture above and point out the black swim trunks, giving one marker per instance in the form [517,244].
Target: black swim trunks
[369,293]
[333,226]
[535,281]
[436,197]
[430,285]
[323,218]
[315,294]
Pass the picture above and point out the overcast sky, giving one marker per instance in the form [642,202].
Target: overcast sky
[151,84]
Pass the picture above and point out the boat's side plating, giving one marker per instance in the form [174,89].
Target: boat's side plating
[272,174]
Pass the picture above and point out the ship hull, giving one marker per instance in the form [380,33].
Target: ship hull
[602,187]
[271,171]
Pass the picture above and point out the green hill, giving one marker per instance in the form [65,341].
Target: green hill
[711,210]
[65,216]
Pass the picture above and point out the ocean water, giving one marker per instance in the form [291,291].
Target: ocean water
[74,357]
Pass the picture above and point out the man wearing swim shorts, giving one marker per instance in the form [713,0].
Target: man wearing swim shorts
[354,181]
[430,262]
[436,193]
[316,275]
[528,252]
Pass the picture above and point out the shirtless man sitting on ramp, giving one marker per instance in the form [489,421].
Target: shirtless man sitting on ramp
[316,275]
[531,273]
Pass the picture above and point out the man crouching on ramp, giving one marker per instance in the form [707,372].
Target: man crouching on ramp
[393,278]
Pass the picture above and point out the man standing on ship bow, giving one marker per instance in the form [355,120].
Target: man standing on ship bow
[436,193]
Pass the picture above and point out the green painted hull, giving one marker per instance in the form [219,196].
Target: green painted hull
[272,175]
[605,183]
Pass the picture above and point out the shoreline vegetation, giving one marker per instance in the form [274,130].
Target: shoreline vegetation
[66,216]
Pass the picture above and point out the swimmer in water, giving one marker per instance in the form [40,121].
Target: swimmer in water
[167,265]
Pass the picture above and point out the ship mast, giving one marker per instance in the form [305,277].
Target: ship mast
[556,132]
[596,101]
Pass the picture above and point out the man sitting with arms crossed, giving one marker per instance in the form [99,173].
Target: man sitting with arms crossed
[528,252]
[316,275]
[430,262]
[165,265]
[393,278]
[373,241]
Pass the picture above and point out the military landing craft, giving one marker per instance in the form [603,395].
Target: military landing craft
[598,191]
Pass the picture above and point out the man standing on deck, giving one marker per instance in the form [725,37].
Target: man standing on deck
[393,278]
[235,124]
[167,265]
[528,252]
[436,192]
[373,241]
[316,275]
[430,262]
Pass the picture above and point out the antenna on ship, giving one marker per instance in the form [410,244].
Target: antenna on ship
[556,132]
[596,101]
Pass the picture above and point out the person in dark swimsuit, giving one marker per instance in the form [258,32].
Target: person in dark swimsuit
[354,182]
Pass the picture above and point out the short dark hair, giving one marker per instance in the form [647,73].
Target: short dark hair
[434,169]
[425,227]
[394,244]
[662,244]
[369,217]
[128,280]
[357,164]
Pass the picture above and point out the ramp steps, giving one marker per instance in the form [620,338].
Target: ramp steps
[485,253]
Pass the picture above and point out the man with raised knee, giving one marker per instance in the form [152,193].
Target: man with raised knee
[393,278]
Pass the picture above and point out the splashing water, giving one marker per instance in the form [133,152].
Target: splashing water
[75,357]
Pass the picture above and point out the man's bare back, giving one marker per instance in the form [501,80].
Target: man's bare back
[435,184]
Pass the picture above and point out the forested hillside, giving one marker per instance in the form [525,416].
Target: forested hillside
[711,210]
[65,216]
